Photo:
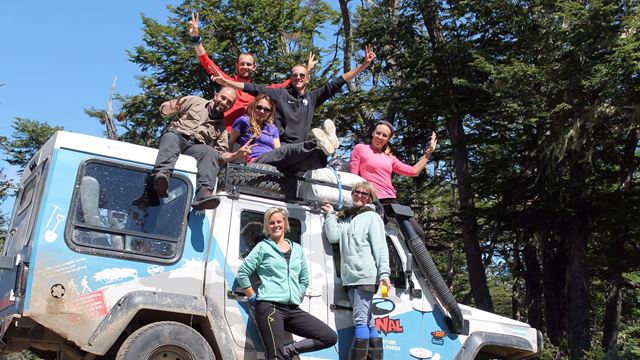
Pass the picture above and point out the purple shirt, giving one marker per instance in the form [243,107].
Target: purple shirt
[264,143]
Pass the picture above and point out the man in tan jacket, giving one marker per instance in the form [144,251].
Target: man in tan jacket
[197,130]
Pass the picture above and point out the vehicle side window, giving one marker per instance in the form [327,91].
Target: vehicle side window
[109,217]
[397,276]
[251,231]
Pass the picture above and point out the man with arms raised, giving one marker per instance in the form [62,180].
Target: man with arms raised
[245,66]
[295,107]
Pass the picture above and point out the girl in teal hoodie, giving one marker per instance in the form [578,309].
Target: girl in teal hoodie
[364,263]
[282,268]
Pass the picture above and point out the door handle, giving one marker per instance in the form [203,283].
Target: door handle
[236,295]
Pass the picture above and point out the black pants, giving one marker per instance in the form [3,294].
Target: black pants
[291,158]
[273,319]
[172,144]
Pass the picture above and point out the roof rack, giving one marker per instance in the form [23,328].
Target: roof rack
[266,181]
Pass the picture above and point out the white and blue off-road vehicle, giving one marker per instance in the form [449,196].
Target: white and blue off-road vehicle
[88,272]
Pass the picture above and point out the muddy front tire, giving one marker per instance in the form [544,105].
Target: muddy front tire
[165,340]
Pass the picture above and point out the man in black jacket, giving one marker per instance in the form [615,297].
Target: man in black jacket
[295,108]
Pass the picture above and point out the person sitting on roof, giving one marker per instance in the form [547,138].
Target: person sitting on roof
[245,66]
[196,130]
[256,128]
[295,108]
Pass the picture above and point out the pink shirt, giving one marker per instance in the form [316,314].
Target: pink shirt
[376,168]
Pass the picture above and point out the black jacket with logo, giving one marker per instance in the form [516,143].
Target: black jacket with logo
[295,111]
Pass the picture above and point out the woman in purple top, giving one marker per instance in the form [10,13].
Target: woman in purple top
[256,127]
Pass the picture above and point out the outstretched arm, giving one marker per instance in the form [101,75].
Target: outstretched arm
[422,163]
[241,153]
[195,34]
[171,107]
[209,66]
[227,82]
[369,56]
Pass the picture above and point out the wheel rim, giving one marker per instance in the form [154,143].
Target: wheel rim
[171,352]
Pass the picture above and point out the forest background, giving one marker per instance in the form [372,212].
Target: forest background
[532,205]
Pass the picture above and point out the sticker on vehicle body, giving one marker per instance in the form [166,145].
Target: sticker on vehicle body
[90,306]
[112,275]
[437,337]
[386,325]
[55,219]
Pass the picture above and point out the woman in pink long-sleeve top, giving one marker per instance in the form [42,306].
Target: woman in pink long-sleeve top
[376,163]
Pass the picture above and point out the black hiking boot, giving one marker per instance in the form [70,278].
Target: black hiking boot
[161,184]
[376,349]
[205,200]
[359,349]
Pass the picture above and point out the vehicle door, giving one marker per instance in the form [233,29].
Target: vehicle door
[14,262]
[245,231]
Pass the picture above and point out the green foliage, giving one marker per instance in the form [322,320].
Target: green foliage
[548,92]
[6,186]
[278,33]
[28,136]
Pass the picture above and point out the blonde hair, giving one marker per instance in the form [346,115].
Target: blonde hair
[256,129]
[373,197]
[269,213]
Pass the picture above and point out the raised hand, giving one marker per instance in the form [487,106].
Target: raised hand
[311,62]
[217,78]
[193,25]
[432,145]
[369,55]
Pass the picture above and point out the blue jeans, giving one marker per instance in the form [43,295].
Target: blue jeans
[361,303]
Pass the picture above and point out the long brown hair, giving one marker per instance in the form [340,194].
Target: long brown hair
[386,149]
[256,130]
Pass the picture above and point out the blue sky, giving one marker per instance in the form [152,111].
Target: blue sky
[59,57]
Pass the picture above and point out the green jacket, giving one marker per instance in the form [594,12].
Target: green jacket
[363,247]
[281,282]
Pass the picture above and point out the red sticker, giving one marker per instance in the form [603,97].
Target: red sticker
[87,306]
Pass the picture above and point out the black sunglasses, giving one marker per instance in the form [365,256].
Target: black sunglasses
[300,75]
[360,193]
[262,108]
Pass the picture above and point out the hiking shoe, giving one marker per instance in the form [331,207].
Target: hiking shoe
[205,200]
[148,198]
[322,140]
[161,184]
[330,128]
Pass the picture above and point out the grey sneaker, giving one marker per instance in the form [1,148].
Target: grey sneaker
[322,140]
[330,128]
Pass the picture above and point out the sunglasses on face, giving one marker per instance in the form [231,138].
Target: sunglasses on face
[300,75]
[263,109]
[360,193]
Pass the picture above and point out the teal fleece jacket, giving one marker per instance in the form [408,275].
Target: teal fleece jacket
[281,282]
[363,248]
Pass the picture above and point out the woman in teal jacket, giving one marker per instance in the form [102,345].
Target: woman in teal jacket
[364,263]
[282,268]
